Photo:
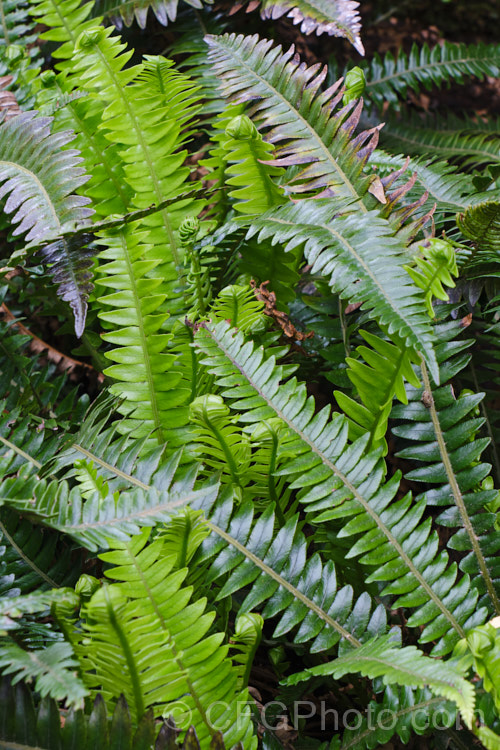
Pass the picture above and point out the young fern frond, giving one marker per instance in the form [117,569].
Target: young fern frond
[245,151]
[388,79]
[66,20]
[288,103]
[377,380]
[194,666]
[149,127]
[143,366]
[352,251]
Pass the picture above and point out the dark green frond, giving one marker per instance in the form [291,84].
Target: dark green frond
[416,135]
[340,481]
[389,78]
[443,434]
[283,579]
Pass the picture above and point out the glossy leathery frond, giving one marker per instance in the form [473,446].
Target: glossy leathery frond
[116,658]
[337,480]
[406,705]
[388,79]
[14,608]
[481,225]
[32,558]
[360,258]
[401,666]
[126,11]
[245,151]
[66,20]
[283,578]
[378,375]
[15,23]
[416,135]
[333,17]
[443,434]
[143,367]
[287,102]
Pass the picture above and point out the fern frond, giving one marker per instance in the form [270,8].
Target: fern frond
[245,151]
[405,706]
[481,224]
[238,304]
[92,523]
[143,367]
[150,128]
[337,480]
[53,669]
[12,608]
[377,379]
[389,78]
[38,177]
[194,667]
[401,666]
[32,558]
[288,103]
[245,550]
[415,135]
[126,11]
[66,20]
[444,442]
[361,259]
[338,18]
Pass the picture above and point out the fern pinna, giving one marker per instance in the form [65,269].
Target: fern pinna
[192,520]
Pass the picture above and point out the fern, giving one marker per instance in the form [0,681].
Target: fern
[337,481]
[452,464]
[114,620]
[352,252]
[406,666]
[289,104]
[53,668]
[480,224]
[340,18]
[389,79]
[126,11]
